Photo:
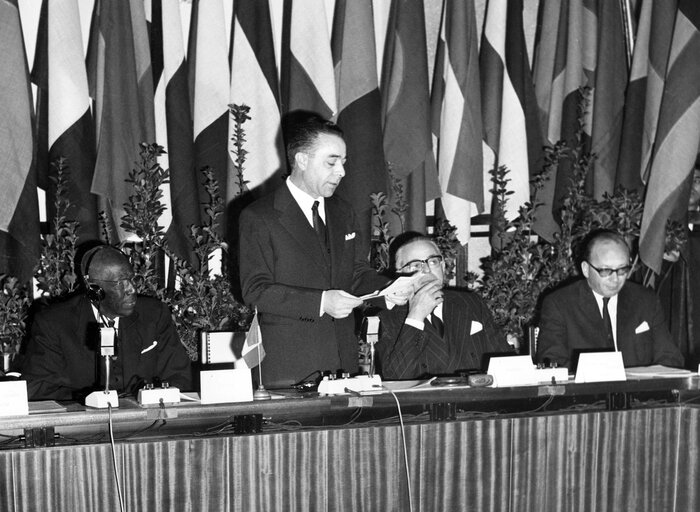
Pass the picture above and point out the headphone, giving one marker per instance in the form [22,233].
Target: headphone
[94,292]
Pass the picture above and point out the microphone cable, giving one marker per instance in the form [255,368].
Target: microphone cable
[405,450]
[114,459]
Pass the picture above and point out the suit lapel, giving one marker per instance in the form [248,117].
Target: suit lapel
[292,219]
[336,236]
[589,306]
[131,342]
[625,314]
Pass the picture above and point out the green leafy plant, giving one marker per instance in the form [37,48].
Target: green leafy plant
[381,232]
[55,272]
[14,306]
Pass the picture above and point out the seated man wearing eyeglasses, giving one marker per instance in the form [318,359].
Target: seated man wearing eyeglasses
[605,312]
[439,331]
[63,358]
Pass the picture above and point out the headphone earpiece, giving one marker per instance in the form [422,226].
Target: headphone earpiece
[95,292]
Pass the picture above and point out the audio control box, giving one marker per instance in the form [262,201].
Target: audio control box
[154,396]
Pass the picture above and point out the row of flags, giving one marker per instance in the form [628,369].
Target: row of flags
[491,102]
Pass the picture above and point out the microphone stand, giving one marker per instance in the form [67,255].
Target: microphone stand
[106,398]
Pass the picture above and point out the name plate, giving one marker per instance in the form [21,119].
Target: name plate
[509,371]
[13,398]
[600,367]
[225,386]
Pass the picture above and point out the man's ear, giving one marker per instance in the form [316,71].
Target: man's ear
[301,160]
[585,269]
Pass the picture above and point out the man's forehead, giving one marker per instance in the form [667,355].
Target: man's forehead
[416,249]
[328,142]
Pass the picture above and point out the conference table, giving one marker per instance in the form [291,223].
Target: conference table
[629,445]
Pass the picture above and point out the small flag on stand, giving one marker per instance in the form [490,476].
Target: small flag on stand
[253,351]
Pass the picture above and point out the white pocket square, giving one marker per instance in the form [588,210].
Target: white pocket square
[350,236]
[150,347]
[476,328]
[643,327]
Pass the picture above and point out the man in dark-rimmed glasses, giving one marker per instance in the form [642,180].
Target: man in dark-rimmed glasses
[439,331]
[605,312]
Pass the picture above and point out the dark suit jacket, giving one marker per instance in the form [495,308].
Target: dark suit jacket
[406,352]
[284,271]
[570,322]
[62,356]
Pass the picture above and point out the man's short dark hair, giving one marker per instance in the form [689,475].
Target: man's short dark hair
[302,128]
[602,235]
[404,239]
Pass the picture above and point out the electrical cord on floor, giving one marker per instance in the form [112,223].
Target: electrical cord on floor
[114,459]
[405,450]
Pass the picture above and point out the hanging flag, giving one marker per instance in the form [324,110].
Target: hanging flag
[253,351]
[254,83]
[406,113]
[64,119]
[359,105]
[677,137]
[121,83]
[210,88]
[508,102]
[456,117]
[174,126]
[662,31]
[308,82]
[629,158]
[19,213]
[611,78]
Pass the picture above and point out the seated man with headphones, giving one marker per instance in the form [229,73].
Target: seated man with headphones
[63,360]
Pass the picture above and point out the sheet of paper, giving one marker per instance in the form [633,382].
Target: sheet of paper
[404,285]
[656,370]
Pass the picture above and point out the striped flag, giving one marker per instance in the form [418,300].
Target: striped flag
[64,118]
[611,78]
[359,104]
[504,116]
[662,30]
[677,136]
[121,83]
[19,215]
[565,60]
[406,111]
[253,351]
[308,82]
[174,125]
[629,158]
[254,83]
[210,88]
[456,117]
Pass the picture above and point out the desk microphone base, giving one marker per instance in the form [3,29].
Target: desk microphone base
[102,399]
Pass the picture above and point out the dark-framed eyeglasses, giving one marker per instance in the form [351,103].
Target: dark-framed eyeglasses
[120,284]
[607,272]
[419,265]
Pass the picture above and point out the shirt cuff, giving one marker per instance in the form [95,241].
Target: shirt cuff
[415,323]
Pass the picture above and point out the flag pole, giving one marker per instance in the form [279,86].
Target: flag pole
[260,393]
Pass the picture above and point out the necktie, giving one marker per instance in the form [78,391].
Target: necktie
[319,226]
[437,323]
[608,323]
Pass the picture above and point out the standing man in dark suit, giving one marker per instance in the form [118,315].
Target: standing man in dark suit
[439,331]
[301,261]
[63,358]
[605,312]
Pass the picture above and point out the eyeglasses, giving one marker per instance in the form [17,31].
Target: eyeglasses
[419,265]
[607,272]
[121,284]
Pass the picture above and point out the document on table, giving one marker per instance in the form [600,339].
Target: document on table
[404,285]
[656,371]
